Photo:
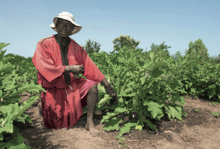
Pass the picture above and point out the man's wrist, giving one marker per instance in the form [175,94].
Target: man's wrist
[67,68]
[105,83]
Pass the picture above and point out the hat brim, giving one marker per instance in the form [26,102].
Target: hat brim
[76,29]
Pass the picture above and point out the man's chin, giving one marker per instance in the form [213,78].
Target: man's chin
[62,35]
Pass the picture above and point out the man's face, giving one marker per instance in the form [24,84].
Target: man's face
[64,28]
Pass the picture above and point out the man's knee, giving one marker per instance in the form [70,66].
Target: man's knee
[93,89]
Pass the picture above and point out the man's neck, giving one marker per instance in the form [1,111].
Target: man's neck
[62,40]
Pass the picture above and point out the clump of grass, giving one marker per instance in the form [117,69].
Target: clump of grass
[215,113]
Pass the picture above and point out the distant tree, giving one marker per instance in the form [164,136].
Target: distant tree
[91,46]
[157,48]
[124,40]
[177,56]
[197,48]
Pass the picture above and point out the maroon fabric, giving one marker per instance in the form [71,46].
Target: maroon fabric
[62,103]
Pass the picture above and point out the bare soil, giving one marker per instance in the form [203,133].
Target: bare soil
[200,130]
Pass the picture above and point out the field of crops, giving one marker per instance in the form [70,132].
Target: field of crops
[142,85]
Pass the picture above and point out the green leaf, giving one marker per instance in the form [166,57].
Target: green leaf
[156,72]
[126,128]
[119,110]
[101,88]
[104,100]
[154,107]
[120,100]
[108,116]
[151,55]
[126,91]
[152,126]
[2,45]
[143,79]
[112,124]
[23,107]
[174,85]
[0,94]
[174,113]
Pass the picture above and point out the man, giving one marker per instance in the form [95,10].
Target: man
[55,57]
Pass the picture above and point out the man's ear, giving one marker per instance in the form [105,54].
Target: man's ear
[57,22]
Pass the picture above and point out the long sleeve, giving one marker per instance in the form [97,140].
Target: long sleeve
[91,71]
[45,64]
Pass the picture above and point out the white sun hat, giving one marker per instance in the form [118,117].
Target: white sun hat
[66,16]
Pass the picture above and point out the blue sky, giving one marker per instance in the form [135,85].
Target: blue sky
[24,22]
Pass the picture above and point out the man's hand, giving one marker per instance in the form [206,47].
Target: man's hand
[112,93]
[76,76]
[75,69]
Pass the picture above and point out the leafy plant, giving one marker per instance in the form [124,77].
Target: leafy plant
[196,110]
[10,87]
[123,82]
[215,113]
[214,103]
[142,81]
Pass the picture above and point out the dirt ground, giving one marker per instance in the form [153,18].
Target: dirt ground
[201,130]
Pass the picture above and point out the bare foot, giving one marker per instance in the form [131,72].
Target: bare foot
[91,127]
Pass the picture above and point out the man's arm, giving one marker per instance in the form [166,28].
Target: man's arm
[68,68]
[105,82]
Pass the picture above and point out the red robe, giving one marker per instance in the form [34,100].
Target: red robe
[59,109]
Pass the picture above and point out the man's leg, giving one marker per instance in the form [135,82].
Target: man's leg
[92,98]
